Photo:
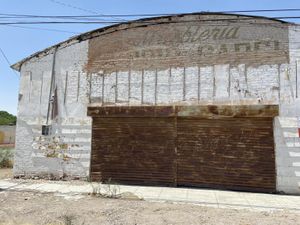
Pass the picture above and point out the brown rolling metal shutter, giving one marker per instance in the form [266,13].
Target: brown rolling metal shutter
[228,147]
[231,153]
[134,150]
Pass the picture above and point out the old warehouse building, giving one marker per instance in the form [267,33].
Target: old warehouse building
[202,99]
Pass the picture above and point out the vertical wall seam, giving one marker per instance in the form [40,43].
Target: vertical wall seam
[41,93]
[199,84]
[184,85]
[66,87]
[41,90]
[169,84]
[142,88]
[155,88]
[290,83]
[214,82]
[246,80]
[30,86]
[116,88]
[103,86]
[296,78]
[229,82]
[129,85]
[78,85]
[90,86]
[279,83]
[51,83]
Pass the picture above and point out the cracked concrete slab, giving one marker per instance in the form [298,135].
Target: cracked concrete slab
[213,198]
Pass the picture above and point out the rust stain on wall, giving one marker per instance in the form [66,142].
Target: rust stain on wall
[215,111]
[200,111]
[139,111]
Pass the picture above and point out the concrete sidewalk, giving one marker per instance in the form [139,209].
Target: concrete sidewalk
[204,197]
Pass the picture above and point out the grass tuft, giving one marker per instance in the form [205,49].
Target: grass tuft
[6,157]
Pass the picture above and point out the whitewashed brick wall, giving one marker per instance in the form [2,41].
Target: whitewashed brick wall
[218,84]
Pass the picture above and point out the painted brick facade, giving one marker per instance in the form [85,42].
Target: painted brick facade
[167,61]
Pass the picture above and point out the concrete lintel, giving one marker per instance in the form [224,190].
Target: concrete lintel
[201,111]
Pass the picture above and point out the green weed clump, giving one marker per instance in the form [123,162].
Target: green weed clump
[6,157]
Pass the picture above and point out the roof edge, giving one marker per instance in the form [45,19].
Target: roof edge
[77,38]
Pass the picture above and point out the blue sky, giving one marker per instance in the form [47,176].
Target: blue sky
[18,43]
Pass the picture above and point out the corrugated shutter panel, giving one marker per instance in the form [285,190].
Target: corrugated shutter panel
[133,150]
[233,153]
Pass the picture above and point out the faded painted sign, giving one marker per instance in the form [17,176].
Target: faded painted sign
[188,44]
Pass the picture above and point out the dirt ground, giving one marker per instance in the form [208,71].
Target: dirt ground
[5,173]
[38,208]
[41,208]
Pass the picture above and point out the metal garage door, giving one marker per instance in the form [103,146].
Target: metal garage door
[232,153]
[223,147]
[134,150]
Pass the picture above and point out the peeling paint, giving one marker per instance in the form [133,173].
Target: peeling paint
[121,66]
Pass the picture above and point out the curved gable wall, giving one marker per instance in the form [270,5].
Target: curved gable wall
[190,40]
[163,61]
